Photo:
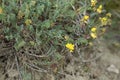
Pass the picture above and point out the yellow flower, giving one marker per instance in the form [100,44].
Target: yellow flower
[108,14]
[104,20]
[93,29]
[99,9]
[93,35]
[1,11]
[28,22]
[93,2]
[85,18]
[70,46]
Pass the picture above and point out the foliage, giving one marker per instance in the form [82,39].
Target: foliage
[46,22]
[36,21]
[51,27]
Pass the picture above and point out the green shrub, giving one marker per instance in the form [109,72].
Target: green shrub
[48,22]
[52,28]
[36,22]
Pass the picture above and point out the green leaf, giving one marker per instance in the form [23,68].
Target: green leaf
[32,43]
[40,9]
[69,28]
[30,27]
[26,75]
[46,24]
[82,41]
[58,56]
[2,16]
[19,44]
[71,13]
[12,17]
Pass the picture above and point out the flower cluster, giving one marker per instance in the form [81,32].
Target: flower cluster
[85,19]
[105,20]
[28,22]
[99,9]
[93,5]
[93,32]
[92,24]
[70,46]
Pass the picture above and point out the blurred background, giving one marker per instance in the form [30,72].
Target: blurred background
[112,35]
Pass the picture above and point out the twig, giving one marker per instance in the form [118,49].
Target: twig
[36,68]
[18,66]
[36,55]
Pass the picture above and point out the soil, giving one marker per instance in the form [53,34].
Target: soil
[105,65]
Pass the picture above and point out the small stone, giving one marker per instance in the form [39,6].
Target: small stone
[112,68]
